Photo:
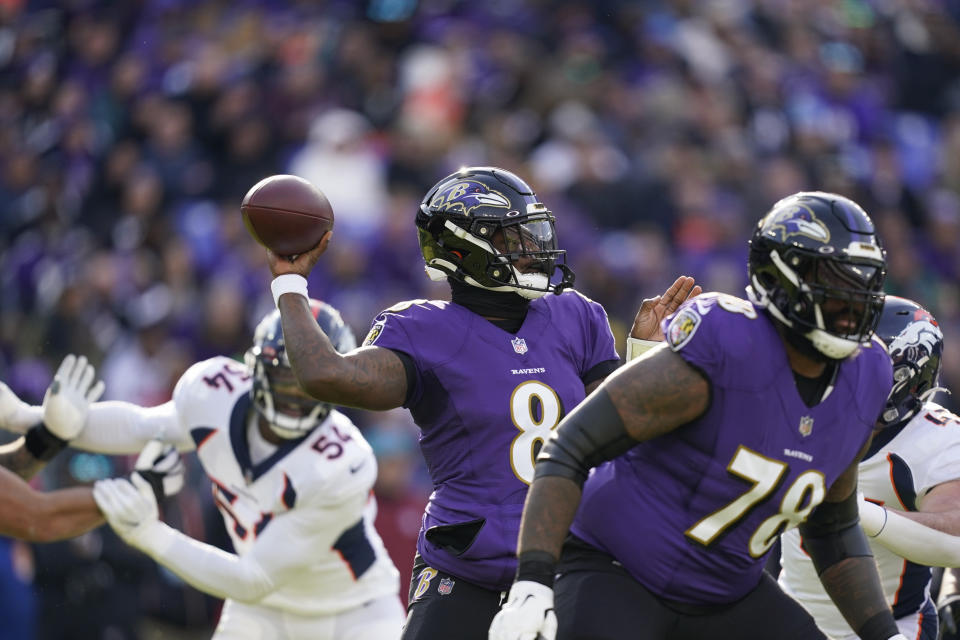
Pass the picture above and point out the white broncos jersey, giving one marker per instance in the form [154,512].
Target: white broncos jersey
[306,512]
[901,467]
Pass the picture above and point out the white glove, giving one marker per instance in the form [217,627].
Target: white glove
[527,615]
[129,507]
[161,466]
[10,407]
[69,396]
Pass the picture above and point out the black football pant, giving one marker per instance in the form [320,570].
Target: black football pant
[598,600]
[444,607]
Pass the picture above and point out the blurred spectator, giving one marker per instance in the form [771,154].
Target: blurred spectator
[340,156]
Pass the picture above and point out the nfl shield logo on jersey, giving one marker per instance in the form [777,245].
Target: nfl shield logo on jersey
[519,345]
[445,587]
[806,426]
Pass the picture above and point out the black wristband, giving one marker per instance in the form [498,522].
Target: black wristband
[537,566]
[41,443]
[880,626]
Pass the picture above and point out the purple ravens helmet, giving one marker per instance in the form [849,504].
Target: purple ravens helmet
[817,266]
[478,224]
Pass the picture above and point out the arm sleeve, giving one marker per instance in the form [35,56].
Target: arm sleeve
[121,427]
[277,555]
[23,418]
[909,539]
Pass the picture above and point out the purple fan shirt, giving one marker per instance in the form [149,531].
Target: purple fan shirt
[485,400]
[693,514]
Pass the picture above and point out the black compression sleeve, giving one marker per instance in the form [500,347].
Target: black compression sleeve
[880,626]
[832,533]
[591,434]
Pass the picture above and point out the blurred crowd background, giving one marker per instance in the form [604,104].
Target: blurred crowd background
[657,131]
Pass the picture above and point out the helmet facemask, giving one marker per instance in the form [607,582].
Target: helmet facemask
[835,304]
[277,396]
[288,410]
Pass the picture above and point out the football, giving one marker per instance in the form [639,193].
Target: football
[286,214]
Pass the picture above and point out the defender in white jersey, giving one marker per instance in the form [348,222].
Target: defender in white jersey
[910,486]
[292,479]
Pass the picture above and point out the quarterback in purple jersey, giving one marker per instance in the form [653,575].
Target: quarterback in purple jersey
[749,421]
[487,376]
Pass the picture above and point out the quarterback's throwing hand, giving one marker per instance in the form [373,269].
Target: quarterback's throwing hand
[527,615]
[301,264]
[69,396]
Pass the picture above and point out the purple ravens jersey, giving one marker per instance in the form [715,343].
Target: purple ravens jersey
[692,514]
[485,401]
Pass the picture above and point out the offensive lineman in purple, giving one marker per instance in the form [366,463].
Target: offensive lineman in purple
[750,421]
[686,557]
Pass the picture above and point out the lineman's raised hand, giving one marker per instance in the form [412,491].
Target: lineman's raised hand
[646,326]
[69,396]
[527,615]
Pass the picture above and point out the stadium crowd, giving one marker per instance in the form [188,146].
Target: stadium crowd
[657,132]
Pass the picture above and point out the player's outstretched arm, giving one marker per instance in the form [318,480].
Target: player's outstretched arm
[35,516]
[929,536]
[839,550]
[366,378]
[71,413]
[277,555]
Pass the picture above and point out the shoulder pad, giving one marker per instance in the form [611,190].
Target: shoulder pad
[203,377]
[341,463]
